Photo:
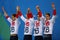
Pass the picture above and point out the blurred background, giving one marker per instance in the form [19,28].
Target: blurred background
[10,7]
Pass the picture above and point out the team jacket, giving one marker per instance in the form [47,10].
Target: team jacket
[13,25]
[48,24]
[28,24]
[38,28]
[38,25]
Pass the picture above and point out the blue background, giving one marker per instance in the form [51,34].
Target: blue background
[45,6]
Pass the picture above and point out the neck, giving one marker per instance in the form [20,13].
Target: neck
[47,19]
[38,19]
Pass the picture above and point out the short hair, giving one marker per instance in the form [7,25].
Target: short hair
[48,14]
[14,15]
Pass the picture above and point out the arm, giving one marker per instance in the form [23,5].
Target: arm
[29,13]
[6,15]
[31,16]
[54,12]
[18,11]
[21,16]
[40,13]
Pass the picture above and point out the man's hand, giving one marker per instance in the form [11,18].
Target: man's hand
[37,7]
[53,5]
[18,8]
[54,10]
[4,11]
[28,10]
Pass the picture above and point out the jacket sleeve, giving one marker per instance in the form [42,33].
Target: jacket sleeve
[9,19]
[54,15]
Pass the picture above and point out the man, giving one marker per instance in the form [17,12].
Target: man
[28,25]
[38,28]
[48,24]
[14,24]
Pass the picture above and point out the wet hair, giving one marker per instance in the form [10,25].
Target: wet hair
[48,14]
[14,15]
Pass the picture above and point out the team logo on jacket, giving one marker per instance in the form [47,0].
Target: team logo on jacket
[13,28]
[47,23]
[27,27]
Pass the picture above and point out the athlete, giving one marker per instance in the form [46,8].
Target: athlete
[48,24]
[38,28]
[14,24]
[28,25]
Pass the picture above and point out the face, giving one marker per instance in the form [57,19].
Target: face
[13,18]
[47,17]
